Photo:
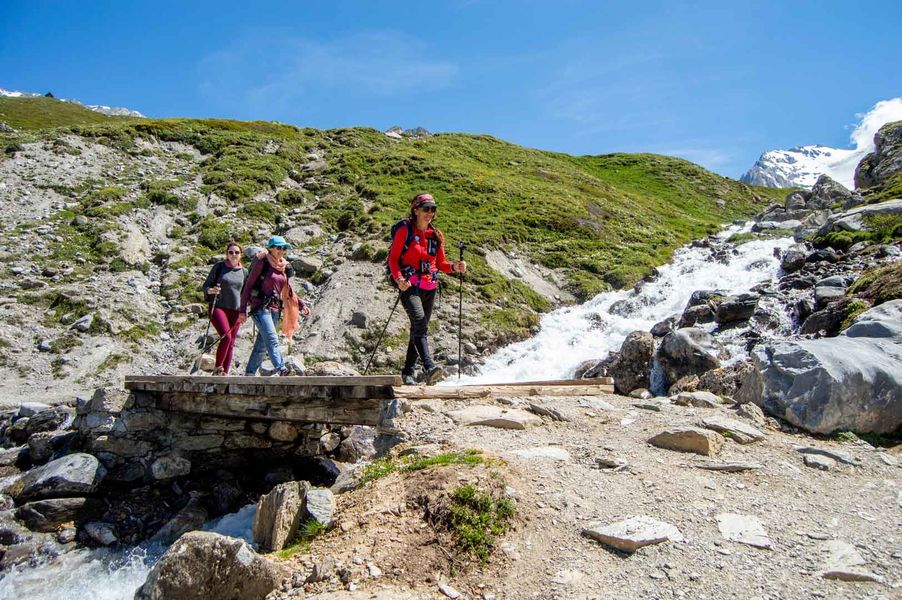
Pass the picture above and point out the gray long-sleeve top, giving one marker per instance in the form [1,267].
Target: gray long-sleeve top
[230,280]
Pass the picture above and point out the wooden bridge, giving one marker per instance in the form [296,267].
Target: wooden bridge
[335,400]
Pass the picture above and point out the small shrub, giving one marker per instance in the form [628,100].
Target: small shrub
[476,519]
[307,530]
[262,211]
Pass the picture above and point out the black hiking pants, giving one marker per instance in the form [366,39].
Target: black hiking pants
[418,304]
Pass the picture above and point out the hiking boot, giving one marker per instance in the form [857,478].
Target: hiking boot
[408,380]
[434,374]
[218,372]
[284,371]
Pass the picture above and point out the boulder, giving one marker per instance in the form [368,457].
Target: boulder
[633,533]
[632,366]
[849,382]
[855,219]
[689,439]
[495,416]
[662,328]
[279,515]
[735,430]
[320,506]
[698,399]
[829,289]
[73,475]
[191,518]
[48,515]
[169,467]
[736,309]
[797,200]
[689,351]
[332,369]
[208,565]
[886,160]
[793,259]
[358,445]
[827,192]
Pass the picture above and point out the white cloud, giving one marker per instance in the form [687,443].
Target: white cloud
[885,111]
[265,68]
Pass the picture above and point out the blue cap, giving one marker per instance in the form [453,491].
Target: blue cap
[277,241]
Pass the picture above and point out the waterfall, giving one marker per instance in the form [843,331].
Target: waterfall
[572,335]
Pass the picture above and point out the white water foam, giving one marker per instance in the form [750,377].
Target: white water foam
[104,574]
[570,336]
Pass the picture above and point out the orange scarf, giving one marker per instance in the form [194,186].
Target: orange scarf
[291,308]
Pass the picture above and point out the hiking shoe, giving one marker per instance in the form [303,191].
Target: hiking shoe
[284,371]
[218,372]
[434,375]
[408,380]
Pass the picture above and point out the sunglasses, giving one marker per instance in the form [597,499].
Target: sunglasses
[428,208]
[234,252]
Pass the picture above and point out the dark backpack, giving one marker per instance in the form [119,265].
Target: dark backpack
[407,240]
[257,290]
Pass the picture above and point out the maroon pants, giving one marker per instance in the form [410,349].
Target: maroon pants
[225,320]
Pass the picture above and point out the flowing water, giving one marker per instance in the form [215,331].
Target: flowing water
[570,336]
[567,337]
[104,574]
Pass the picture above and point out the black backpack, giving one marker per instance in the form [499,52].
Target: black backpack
[407,240]
[257,290]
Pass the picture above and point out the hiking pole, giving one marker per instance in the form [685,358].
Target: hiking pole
[196,366]
[460,314]
[376,347]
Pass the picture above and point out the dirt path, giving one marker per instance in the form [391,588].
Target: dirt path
[546,556]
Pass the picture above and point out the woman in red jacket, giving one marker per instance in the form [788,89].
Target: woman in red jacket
[414,267]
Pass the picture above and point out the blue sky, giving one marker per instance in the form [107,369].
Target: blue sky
[714,82]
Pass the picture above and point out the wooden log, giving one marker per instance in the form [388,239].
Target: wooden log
[357,411]
[138,381]
[312,387]
[495,391]
[559,382]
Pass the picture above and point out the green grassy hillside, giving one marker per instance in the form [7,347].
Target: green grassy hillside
[41,113]
[605,220]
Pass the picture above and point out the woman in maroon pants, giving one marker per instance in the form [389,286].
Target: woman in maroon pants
[223,289]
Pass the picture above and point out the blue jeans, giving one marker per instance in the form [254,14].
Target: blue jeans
[267,340]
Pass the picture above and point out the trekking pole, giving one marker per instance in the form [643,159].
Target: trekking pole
[196,366]
[460,314]
[376,347]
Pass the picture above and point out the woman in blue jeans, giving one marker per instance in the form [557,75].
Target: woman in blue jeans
[262,292]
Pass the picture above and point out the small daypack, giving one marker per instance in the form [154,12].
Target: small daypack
[257,290]
[407,240]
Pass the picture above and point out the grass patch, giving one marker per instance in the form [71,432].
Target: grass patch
[112,361]
[388,465]
[141,331]
[41,113]
[476,519]
[261,211]
[307,530]
[879,284]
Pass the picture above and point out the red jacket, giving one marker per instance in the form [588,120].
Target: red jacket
[418,257]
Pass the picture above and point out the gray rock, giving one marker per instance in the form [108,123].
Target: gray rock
[279,514]
[208,565]
[102,533]
[793,259]
[832,454]
[855,219]
[744,529]
[843,562]
[827,192]
[84,323]
[885,161]
[191,518]
[698,399]
[821,463]
[632,366]
[169,467]
[332,369]
[735,430]
[73,475]
[320,505]
[358,445]
[753,413]
[30,409]
[849,382]
[543,452]
[736,309]
[494,416]
[44,346]
[689,439]
[47,515]
[329,441]
[307,265]
[359,319]
[829,289]
[689,351]
[633,533]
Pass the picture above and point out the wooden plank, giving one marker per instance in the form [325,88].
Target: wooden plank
[319,387]
[358,411]
[137,381]
[493,391]
[559,382]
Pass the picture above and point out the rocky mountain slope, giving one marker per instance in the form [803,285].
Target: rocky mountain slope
[109,228]
[801,166]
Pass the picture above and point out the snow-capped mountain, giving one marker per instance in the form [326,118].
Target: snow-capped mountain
[113,111]
[801,166]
